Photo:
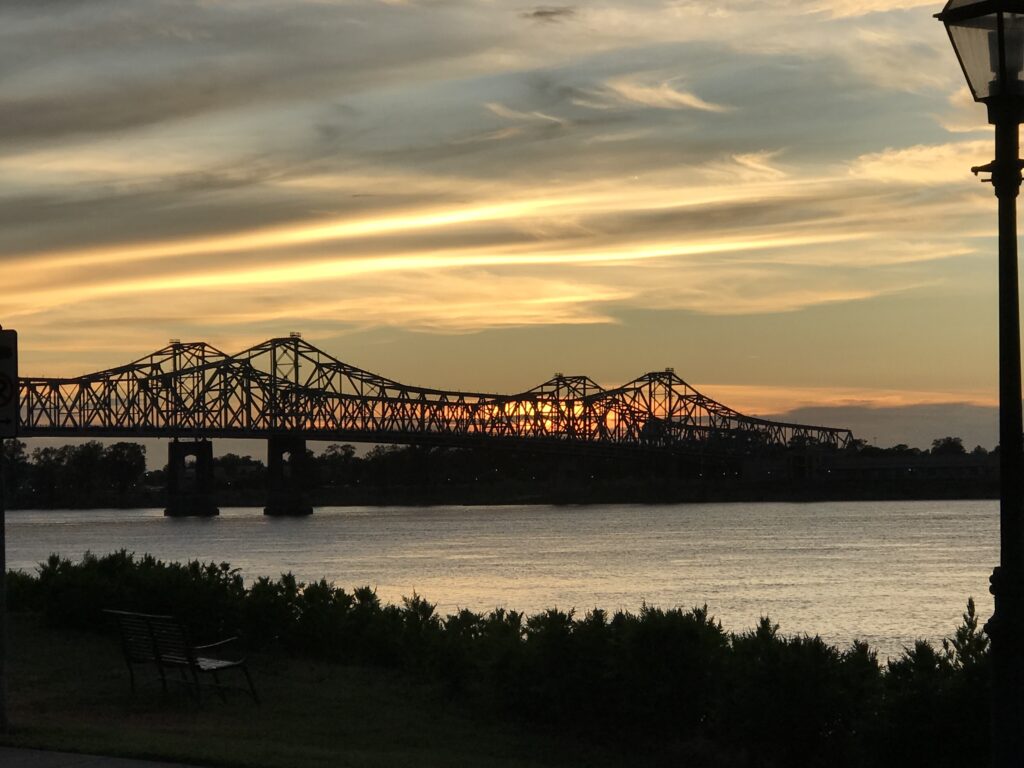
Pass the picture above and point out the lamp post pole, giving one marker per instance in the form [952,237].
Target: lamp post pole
[1006,628]
[988,38]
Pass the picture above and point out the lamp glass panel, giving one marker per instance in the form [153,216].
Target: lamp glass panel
[1013,36]
[976,43]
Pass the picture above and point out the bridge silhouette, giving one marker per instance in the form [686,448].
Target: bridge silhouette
[288,391]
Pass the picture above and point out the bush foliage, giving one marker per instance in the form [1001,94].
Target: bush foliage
[657,681]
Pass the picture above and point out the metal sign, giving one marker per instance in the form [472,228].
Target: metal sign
[8,384]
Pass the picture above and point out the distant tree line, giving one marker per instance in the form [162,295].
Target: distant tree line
[94,475]
[86,475]
[941,446]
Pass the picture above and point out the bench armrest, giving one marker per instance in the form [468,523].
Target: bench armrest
[218,644]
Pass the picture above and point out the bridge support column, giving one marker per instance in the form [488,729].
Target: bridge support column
[286,474]
[190,486]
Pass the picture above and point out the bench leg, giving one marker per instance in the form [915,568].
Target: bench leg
[196,686]
[252,688]
[220,688]
[163,677]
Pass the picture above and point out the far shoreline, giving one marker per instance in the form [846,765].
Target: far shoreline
[653,494]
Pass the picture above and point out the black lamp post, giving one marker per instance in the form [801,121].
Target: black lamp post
[988,37]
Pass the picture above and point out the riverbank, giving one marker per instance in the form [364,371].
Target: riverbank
[639,492]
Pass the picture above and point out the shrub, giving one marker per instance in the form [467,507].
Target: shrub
[936,702]
[208,597]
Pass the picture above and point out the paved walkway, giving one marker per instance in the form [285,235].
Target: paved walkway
[10,757]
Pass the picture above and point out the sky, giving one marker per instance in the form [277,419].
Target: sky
[772,196]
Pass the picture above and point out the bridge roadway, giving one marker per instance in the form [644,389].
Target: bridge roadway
[288,391]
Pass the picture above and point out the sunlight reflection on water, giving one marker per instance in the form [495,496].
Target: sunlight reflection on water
[885,572]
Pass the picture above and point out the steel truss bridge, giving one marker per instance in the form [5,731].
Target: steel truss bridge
[286,387]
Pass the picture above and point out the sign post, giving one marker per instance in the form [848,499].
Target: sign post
[8,428]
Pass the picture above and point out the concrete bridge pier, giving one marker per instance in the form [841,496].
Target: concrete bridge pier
[190,483]
[286,473]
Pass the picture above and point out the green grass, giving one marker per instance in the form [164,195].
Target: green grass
[69,691]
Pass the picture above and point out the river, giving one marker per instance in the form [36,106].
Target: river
[884,572]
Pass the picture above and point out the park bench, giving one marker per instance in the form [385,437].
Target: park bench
[163,642]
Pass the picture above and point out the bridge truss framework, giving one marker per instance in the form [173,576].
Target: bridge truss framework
[288,387]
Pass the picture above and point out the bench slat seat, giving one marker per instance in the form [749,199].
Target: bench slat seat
[214,664]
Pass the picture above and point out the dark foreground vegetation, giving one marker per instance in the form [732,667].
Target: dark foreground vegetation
[95,475]
[656,687]
[68,691]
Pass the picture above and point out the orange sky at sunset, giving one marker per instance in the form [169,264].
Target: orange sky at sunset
[772,197]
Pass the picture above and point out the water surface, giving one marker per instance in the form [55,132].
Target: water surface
[885,572]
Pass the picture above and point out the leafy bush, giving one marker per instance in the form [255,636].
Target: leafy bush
[207,596]
[937,701]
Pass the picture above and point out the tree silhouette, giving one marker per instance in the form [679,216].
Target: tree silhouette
[948,446]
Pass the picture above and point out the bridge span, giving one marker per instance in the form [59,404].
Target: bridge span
[288,391]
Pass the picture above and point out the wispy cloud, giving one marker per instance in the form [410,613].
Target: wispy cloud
[658,95]
[921,164]
[764,399]
[963,114]
[550,13]
[848,8]
[511,114]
